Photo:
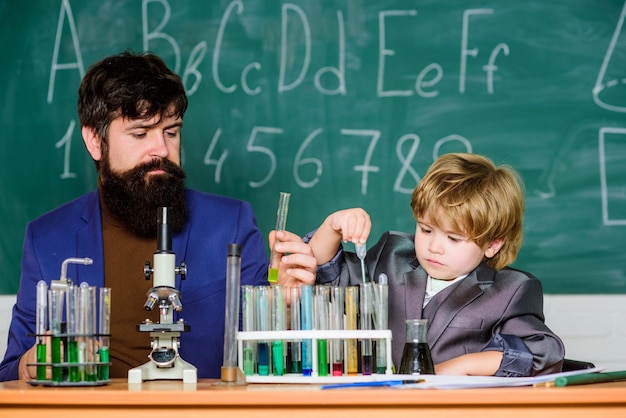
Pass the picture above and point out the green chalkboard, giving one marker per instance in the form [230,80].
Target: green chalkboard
[343,103]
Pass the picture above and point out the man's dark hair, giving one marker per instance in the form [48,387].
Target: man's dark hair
[130,85]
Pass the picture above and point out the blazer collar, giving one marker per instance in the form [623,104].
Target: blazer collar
[462,293]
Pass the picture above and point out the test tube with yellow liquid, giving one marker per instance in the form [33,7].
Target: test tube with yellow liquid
[281,222]
[352,304]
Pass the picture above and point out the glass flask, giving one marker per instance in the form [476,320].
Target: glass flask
[416,358]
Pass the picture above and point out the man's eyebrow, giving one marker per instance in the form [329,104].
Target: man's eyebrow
[144,123]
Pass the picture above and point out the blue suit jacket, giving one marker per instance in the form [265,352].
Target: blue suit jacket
[75,230]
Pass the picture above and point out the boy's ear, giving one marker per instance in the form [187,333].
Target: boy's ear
[493,247]
[92,142]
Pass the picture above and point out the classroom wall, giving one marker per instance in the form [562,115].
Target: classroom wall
[592,327]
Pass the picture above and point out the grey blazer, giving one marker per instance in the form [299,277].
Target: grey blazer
[469,316]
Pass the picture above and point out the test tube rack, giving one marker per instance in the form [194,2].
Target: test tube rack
[314,335]
[79,373]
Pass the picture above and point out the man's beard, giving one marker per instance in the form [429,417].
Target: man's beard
[133,197]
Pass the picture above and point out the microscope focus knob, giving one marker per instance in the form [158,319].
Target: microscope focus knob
[182,270]
[147,270]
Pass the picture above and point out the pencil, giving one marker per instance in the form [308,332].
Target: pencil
[587,378]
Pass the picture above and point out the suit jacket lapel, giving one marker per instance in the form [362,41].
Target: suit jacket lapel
[89,244]
[447,307]
[415,285]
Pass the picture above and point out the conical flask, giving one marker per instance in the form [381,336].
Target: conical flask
[416,358]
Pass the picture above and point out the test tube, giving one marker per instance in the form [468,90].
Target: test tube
[381,296]
[295,345]
[365,314]
[281,222]
[87,326]
[72,332]
[104,329]
[336,323]
[55,316]
[278,324]
[322,297]
[306,310]
[231,317]
[248,324]
[41,327]
[352,303]
[264,320]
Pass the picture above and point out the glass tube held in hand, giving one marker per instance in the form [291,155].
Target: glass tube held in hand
[281,222]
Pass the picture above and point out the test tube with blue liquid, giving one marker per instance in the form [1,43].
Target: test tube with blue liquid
[104,330]
[281,223]
[248,307]
[295,345]
[336,323]
[322,298]
[264,321]
[41,328]
[279,323]
[306,310]
[365,315]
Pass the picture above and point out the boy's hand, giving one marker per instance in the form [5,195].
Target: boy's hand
[354,225]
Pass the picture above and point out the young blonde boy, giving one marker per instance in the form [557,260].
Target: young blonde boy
[484,318]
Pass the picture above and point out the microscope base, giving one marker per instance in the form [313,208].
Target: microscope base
[180,370]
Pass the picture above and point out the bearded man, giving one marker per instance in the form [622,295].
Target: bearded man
[131,109]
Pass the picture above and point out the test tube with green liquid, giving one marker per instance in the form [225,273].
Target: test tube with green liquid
[281,222]
[41,325]
[279,323]
[264,321]
[322,297]
[352,303]
[296,345]
[55,316]
[72,332]
[248,324]
[104,331]
[87,327]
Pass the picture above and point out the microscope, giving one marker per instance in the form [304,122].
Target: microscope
[165,361]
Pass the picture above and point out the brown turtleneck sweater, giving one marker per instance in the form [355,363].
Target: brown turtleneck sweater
[124,257]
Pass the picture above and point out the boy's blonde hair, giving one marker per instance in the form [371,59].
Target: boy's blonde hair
[477,199]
